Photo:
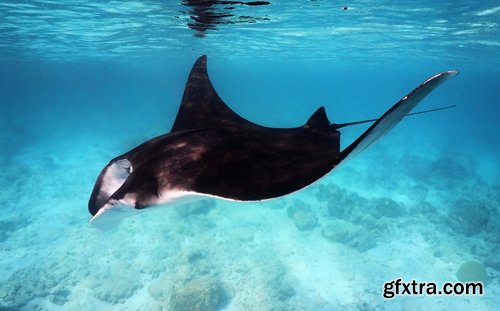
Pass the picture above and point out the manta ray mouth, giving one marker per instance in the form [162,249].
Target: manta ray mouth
[112,177]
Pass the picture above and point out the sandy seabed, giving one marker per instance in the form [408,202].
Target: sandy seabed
[382,216]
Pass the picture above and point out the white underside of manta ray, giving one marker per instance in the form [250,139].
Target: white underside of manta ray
[213,152]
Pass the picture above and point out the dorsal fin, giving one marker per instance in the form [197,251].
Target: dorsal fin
[201,107]
[318,120]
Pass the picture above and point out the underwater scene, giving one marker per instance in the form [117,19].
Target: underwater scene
[391,228]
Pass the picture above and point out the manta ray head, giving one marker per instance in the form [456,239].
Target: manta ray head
[111,178]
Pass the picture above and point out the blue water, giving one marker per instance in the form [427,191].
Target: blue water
[83,82]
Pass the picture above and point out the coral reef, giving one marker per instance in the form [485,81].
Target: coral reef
[201,294]
[341,203]
[452,168]
[352,235]
[305,220]
[47,280]
[302,215]
[417,193]
[114,289]
[355,220]
[448,171]
[386,207]
[468,217]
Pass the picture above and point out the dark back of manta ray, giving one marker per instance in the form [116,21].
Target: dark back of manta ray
[247,161]
[252,162]
[259,164]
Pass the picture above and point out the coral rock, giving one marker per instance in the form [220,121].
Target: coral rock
[202,294]
[305,220]
[468,217]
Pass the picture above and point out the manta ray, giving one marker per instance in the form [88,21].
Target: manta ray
[211,151]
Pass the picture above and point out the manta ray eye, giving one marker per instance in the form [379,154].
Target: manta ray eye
[124,166]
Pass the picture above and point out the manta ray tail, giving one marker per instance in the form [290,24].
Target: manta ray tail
[394,115]
[341,125]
